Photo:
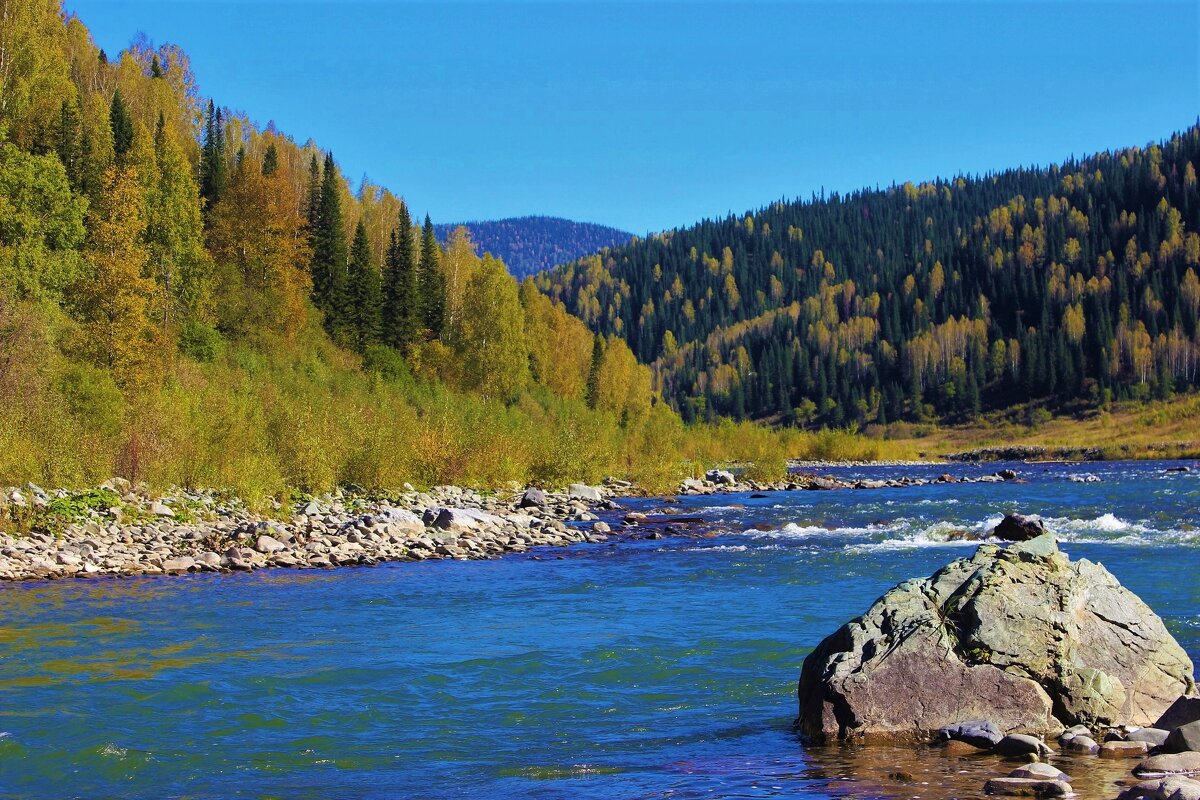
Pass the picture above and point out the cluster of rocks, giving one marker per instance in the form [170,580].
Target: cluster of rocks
[1022,452]
[1029,647]
[718,481]
[197,532]
[1168,760]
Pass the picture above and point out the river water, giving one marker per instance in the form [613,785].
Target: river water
[639,669]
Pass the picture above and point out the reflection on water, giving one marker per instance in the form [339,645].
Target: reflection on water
[922,772]
[650,669]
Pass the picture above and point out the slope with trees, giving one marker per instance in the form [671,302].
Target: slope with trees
[1073,284]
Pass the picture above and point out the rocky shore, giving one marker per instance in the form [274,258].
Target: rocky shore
[123,530]
[718,481]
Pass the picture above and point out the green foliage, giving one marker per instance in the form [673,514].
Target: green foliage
[199,341]
[41,225]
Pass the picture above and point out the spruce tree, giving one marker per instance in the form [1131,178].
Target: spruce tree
[70,143]
[270,163]
[212,158]
[401,318]
[433,284]
[366,293]
[328,265]
[155,68]
[593,379]
[122,126]
[312,197]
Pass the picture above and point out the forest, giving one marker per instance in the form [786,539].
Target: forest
[529,245]
[190,298]
[1074,285]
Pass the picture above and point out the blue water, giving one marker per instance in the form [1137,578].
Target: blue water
[647,669]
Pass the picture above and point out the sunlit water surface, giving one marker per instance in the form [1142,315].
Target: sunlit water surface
[648,669]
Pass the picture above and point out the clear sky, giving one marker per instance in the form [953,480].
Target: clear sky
[650,116]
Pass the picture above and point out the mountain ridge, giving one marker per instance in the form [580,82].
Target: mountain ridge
[533,243]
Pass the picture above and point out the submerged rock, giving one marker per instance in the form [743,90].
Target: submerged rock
[1020,636]
[1173,788]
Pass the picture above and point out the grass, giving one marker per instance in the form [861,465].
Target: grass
[1161,429]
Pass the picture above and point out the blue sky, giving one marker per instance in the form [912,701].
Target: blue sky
[650,116]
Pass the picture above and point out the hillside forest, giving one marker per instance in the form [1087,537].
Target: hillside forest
[1073,285]
[188,297]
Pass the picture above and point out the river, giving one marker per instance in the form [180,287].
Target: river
[636,669]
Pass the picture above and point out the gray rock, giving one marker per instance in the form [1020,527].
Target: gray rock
[1187,763]
[1181,712]
[461,519]
[1020,744]
[1027,787]
[1185,737]
[601,527]
[1173,788]
[581,491]
[976,732]
[1040,771]
[312,509]
[1007,474]
[1025,638]
[533,498]
[1155,737]
[180,564]
[161,509]
[720,477]
[1018,528]
[1081,744]
[268,544]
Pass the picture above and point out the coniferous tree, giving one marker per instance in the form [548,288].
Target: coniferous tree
[366,293]
[212,158]
[402,310]
[122,126]
[270,164]
[433,284]
[312,197]
[329,256]
[592,395]
[155,68]
[70,143]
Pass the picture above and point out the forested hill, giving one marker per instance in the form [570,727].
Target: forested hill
[1073,282]
[529,245]
[189,298]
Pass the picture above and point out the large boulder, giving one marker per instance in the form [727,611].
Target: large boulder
[1020,636]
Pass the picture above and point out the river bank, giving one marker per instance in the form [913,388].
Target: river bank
[123,530]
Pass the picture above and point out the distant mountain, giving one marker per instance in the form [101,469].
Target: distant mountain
[529,245]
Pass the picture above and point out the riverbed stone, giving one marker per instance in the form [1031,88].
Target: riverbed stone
[1020,744]
[1081,744]
[1040,771]
[1155,737]
[1171,788]
[581,491]
[1182,711]
[1019,528]
[1185,737]
[1020,635]
[1187,763]
[1027,787]
[1120,749]
[268,544]
[976,732]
